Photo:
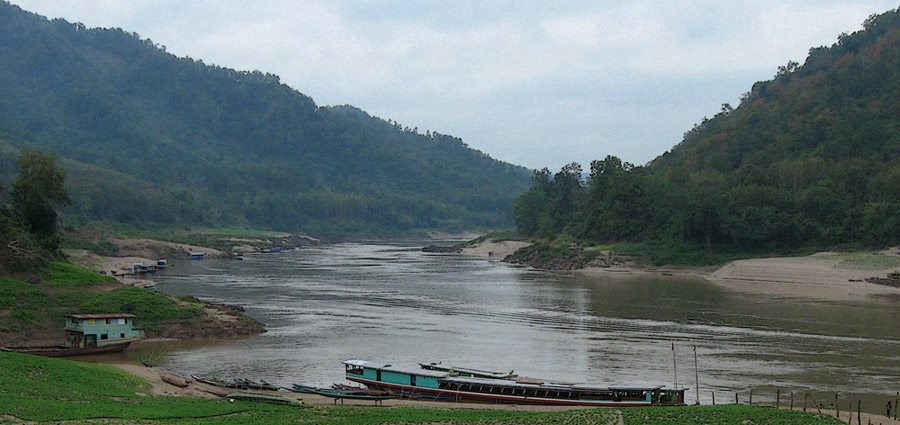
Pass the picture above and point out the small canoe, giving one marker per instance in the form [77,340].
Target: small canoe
[341,395]
[264,398]
[176,381]
[305,389]
[63,351]
[357,390]
[209,381]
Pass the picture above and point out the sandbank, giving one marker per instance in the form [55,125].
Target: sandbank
[494,250]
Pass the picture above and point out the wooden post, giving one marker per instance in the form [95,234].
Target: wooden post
[837,408]
[792,400]
[778,399]
[736,399]
[696,375]
[751,396]
[896,404]
[805,396]
[850,414]
[859,411]
[714,397]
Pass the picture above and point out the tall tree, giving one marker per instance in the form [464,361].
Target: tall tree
[37,192]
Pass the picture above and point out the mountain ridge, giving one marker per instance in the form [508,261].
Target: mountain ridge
[807,161]
[210,145]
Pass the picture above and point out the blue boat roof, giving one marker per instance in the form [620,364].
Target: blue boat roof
[390,368]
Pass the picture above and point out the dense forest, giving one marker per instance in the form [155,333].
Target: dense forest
[807,160]
[150,139]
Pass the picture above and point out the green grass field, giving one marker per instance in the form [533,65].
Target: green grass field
[44,390]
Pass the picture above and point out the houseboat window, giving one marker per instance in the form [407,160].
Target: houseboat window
[107,321]
[356,370]
[412,380]
[122,335]
[104,336]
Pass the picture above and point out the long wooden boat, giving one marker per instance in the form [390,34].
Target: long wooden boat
[63,351]
[482,386]
[264,398]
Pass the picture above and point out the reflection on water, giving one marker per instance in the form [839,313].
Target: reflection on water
[397,304]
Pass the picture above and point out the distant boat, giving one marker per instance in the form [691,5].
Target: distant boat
[197,255]
[271,250]
[435,381]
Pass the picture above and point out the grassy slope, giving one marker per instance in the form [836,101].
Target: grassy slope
[61,288]
[45,390]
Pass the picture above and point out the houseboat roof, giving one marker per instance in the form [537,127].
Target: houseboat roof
[467,370]
[101,316]
[389,368]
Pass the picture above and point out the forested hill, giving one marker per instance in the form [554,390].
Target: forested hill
[810,159]
[151,139]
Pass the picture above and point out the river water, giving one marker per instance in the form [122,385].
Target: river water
[396,304]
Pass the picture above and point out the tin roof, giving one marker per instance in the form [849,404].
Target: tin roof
[100,316]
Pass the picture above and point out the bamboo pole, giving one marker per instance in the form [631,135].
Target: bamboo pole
[778,399]
[714,397]
[859,411]
[805,396]
[792,400]
[751,396]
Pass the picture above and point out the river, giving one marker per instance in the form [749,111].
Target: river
[396,304]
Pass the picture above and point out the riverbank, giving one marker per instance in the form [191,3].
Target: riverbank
[822,276]
[200,390]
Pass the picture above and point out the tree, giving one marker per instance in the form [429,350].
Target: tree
[39,189]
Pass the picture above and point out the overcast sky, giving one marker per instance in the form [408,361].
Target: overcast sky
[534,83]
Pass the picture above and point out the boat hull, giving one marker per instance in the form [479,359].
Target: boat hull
[63,351]
[468,396]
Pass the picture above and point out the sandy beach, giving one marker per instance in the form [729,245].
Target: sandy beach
[494,250]
[823,275]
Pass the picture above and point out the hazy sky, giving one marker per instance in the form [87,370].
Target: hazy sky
[535,83]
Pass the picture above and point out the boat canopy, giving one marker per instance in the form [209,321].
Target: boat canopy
[389,368]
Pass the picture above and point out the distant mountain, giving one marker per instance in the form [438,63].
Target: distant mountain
[151,139]
[809,159]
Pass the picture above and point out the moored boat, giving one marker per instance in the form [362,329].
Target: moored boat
[445,383]
[64,351]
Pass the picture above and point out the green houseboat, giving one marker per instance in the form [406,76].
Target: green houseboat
[90,334]
[462,384]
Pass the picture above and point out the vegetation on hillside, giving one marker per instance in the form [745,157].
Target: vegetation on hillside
[154,140]
[808,160]
[36,308]
[45,390]
[28,224]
